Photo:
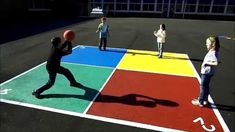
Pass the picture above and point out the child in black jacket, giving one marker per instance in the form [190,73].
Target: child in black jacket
[53,65]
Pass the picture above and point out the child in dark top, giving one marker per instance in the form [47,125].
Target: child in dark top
[53,65]
[103,30]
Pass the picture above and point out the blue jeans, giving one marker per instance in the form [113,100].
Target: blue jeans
[204,87]
[160,49]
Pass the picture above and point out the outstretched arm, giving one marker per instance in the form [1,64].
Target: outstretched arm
[155,33]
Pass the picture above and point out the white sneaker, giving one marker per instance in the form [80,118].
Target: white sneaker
[196,102]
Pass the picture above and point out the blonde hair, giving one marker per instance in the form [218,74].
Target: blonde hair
[215,40]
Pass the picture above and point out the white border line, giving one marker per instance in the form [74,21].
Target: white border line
[88,107]
[126,69]
[117,121]
[124,122]
[21,74]
[84,115]
[27,71]
[88,116]
[102,86]
[214,108]
[106,67]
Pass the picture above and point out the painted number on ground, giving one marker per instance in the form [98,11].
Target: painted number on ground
[4,91]
[209,129]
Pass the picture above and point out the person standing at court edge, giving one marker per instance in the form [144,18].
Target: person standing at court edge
[161,39]
[207,70]
[103,30]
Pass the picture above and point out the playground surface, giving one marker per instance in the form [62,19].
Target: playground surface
[126,87]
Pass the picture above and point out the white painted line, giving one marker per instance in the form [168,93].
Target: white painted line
[106,67]
[77,46]
[93,117]
[97,47]
[21,74]
[27,71]
[127,68]
[117,121]
[124,122]
[214,108]
[88,107]
[4,91]
[164,73]
[102,88]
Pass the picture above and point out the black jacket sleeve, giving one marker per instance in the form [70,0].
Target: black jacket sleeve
[68,50]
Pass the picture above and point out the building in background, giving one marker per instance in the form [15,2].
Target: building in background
[168,8]
[201,9]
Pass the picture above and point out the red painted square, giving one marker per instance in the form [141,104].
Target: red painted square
[155,99]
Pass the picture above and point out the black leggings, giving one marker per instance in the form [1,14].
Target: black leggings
[52,77]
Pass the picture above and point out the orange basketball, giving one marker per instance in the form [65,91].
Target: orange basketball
[69,35]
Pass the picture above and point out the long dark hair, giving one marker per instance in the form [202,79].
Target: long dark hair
[163,27]
[215,40]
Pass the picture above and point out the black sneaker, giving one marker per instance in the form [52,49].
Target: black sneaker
[37,95]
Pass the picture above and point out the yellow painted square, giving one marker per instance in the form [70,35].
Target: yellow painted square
[171,63]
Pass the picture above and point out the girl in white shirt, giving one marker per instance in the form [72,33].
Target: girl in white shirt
[161,39]
[207,70]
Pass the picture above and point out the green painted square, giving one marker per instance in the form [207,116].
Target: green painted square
[60,95]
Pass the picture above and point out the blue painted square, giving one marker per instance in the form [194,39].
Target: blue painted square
[93,56]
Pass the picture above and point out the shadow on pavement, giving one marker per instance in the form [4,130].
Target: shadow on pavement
[224,107]
[129,99]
